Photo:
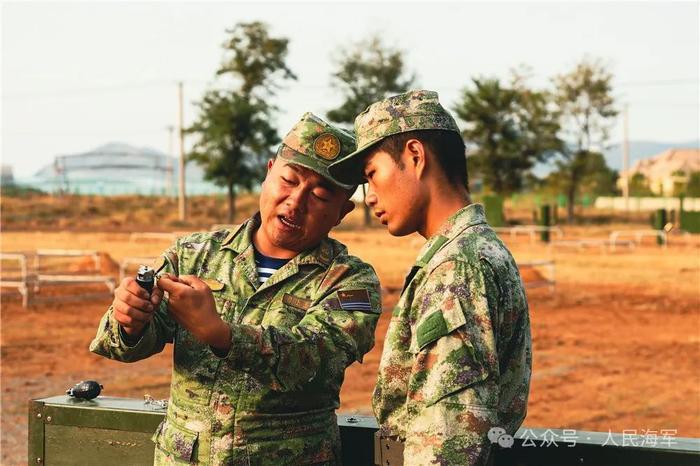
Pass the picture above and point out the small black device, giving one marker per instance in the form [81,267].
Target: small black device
[86,390]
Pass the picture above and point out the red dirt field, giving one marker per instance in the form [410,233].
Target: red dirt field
[616,344]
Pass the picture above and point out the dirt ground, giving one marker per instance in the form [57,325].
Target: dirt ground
[616,343]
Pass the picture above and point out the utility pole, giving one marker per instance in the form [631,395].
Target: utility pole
[626,160]
[182,207]
[169,172]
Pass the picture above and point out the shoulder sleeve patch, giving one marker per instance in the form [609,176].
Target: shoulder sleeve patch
[354,300]
[431,329]
[437,325]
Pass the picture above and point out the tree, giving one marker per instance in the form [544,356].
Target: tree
[587,108]
[692,189]
[234,127]
[367,72]
[595,177]
[510,128]
[639,185]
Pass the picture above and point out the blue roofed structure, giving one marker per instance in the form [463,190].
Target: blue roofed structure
[118,168]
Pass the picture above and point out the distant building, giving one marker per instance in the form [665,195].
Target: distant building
[118,168]
[667,170]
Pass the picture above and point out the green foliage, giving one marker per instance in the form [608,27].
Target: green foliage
[592,174]
[235,139]
[599,179]
[586,108]
[493,205]
[509,129]
[366,72]
[639,186]
[12,190]
[690,221]
[234,130]
[692,189]
[255,59]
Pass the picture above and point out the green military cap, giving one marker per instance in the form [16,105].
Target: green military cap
[315,144]
[410,111]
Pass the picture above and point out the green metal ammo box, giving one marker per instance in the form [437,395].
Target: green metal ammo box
[110,431]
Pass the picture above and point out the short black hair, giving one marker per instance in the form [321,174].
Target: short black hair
[446,146]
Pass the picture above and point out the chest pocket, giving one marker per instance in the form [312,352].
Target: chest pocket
[289,313]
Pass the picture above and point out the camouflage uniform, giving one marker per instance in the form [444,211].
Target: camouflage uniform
[457,355]
[271,400]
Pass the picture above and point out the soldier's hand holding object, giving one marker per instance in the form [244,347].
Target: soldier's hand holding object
[191,304]
[132,307]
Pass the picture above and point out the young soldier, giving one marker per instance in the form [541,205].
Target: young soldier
[264,319]
[457,354]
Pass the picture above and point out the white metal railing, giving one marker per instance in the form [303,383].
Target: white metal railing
[30,282]
[22,283]
[581,244]
[63,278]
[531,230]
[549,280]
[638,235]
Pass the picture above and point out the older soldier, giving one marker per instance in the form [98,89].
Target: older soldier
[457,354]
[264,319]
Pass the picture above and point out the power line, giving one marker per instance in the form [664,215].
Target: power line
[106,88]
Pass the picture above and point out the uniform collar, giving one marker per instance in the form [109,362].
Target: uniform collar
[240,239]
[466,217]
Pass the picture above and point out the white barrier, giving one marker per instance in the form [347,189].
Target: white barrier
[29,282]
[530,230]
[641,204]
[66,278]
[21,283]
[638,235]
[581,244]
[549,280]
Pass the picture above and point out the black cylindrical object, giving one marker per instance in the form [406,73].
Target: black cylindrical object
[660,220]
[545,221]
[145,277]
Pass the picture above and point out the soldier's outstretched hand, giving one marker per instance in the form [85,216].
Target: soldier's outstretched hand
[133,308]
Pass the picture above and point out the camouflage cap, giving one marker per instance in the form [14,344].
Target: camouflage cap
[410,111]
[315,144]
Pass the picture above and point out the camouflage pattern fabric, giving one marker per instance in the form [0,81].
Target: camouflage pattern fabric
[272,399]
[457,355]
[410,111]
[314,144]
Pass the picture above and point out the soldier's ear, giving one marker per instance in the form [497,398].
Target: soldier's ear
[414,156]
[346,209]
[270,163]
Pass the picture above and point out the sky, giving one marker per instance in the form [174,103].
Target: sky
[79,75]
